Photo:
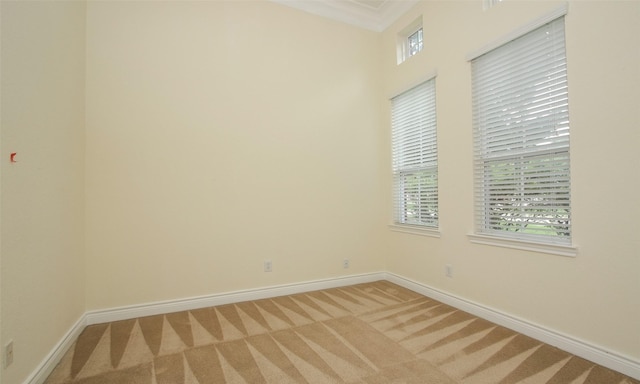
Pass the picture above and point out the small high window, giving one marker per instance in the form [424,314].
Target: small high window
[486,4]
[410,40]
[415,42]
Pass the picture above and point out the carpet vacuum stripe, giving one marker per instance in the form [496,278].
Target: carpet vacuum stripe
[371,333]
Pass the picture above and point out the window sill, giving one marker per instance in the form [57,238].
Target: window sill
[554,249]
[415,230]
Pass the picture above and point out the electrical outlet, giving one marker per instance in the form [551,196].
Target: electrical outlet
[267,265]
[448,270]
[8,354]
[345,263]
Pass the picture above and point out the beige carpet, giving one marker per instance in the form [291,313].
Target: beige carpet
[373,333]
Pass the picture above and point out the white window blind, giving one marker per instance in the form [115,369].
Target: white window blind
[521,138]
[415,157]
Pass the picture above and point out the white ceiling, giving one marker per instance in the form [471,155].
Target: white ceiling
[375,15]
[375,4]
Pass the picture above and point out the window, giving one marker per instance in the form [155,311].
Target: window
[521,138]
[414,42]
[486,4]
[410,40]
[415,158]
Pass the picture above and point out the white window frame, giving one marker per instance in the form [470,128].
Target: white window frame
[415,160]
[521,155]
[487,4]
[403,41]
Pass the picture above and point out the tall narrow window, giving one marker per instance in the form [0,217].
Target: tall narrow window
[415,157]
[521,137]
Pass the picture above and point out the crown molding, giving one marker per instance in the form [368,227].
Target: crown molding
[351,12]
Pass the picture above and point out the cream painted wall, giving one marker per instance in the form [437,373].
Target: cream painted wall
[42,195]
[595,296]
[223,134]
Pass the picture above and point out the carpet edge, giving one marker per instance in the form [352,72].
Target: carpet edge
[51,360]
[589,351]
[185,304]
[584,349]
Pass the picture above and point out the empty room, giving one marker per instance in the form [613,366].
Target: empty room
[319,191]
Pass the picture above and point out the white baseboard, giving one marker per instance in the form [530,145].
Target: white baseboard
[40,374]
[123,313]
[588,351]
[130,312]
[591,352]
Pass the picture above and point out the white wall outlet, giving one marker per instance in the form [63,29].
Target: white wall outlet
[8,354]
[448,270]
[267,266]
[345,263]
